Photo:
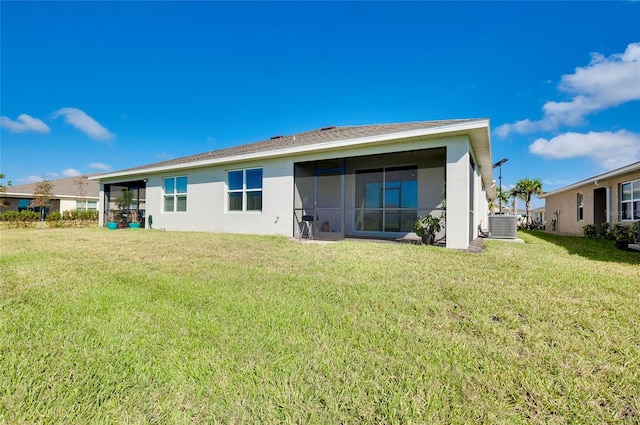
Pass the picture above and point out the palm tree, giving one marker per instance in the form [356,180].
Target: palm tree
[524,189]
[502,197]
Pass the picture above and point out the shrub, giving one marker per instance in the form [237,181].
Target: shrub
[605,230]
[54,216]
[589,230]
[15,219]
[624,235]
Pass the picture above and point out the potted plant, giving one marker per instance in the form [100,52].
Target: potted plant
[134,219]
[112,221]
[427,227]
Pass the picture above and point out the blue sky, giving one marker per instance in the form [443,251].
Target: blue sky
[97,86]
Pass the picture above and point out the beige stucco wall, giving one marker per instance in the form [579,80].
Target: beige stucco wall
[566,203]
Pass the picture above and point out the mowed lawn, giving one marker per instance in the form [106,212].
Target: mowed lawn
[145,327]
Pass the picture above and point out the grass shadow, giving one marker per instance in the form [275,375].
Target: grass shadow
[591,248]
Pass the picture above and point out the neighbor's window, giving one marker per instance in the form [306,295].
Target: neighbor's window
[175,194]
[86,205]
[580,207]
[630,200]
[244,189]
[386,199]
[24,204]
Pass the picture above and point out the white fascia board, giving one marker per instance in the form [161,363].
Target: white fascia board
[316,147]
[615,173]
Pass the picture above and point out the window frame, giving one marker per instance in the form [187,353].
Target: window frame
[175,195]
[634,188]
[86,205]
[246,191]
[580,206]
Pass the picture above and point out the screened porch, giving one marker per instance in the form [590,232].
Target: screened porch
[375,196]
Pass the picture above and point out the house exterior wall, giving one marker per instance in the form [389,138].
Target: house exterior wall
[67,205]
[207,200]
[565,202]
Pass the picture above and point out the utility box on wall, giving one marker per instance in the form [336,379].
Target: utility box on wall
[503,226]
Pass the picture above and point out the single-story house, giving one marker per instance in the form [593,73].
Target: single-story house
[613,197]
[69,194]
[537,214]
[370,181]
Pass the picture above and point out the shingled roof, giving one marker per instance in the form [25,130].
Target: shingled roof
[308,138]
[65,187]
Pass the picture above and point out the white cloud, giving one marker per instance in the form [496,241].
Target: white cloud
[605,83]
[23,124]
[99,166]
[29,179]
[610,150]
[70,172]
[83,122]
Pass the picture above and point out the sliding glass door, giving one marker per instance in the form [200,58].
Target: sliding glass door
[386,199]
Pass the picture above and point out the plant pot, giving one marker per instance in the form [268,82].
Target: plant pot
[428,238]
[134,225]
[112,225]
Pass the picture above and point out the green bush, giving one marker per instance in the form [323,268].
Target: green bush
[605,230]
[54,216]
[589,230]
[15,219]
[624,235]
[25,219]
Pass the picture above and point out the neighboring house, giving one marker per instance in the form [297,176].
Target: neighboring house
[613,197]
[361,181]
[538,217]
[68,195]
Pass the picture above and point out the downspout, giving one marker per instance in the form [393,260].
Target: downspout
[608,191]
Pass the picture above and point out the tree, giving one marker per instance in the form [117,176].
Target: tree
[515,195]
[42,195]
[525,189]
[3,190]
[81,184]
[502,198]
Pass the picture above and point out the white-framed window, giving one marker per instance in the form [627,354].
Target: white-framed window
[86,205]
[580,203]
[175,194]
[244,189]
[630,200]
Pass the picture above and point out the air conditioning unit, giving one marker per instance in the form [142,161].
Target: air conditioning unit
[503,226]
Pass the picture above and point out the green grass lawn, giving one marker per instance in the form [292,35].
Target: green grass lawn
[144,327]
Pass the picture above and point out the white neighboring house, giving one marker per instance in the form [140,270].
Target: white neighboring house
[537,214]
[68,195]
[357,181]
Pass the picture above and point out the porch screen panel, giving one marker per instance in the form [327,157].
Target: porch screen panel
[369,200]
[401,199]
[386,199]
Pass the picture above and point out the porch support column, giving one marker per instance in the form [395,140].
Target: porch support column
[458,194]
[101,206]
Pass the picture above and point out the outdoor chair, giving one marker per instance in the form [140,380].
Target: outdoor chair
[307,227]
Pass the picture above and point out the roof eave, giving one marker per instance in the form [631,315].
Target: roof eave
[317,147]
[615,173]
